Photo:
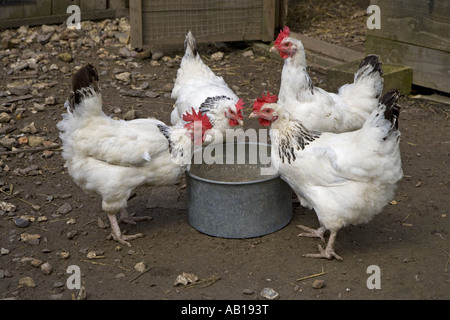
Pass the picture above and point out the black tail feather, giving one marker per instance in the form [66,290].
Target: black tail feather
[84,78]
[392,112]
[372,60]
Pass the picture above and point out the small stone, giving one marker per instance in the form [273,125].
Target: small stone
[144,85]
[170,64]
[66,57]
[123,76]
[59,284]
[140,266]
[31,128]
[248,53]
[120,276]
[217,56]
[70,221]
[36,263]
[98,254]
[269,294]
[4,117]
[151,94]
[64,255]
[50,100]
[21,223]
[71,234]
[248,291]
[6,206]
[144,54]
[318,284]
[157,55]
[101,224]
[27,281]
[30,238]
[44,38]
[168,87]
[23,140]
[130,115]
[47,29]
[124,52]
[185,278]
[4,251]
[34,141]
[64,209]
[19,88]
[46,268]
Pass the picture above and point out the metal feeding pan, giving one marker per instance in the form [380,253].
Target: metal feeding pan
[234,198]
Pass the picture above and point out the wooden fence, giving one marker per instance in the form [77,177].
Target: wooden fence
[415,33]
[16,13]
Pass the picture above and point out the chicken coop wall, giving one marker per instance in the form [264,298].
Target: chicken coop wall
[16,13]
[167,22]
[415,33]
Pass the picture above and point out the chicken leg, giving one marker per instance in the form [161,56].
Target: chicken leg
[131,219]
[312,233]
[117,234]
[328,252]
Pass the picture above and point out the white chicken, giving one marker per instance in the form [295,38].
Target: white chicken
[196,86]
[113,157]
[317,108]
[347,178]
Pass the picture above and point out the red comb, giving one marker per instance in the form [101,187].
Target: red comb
[187,117]
[239,106]
[283,34]
[260,102]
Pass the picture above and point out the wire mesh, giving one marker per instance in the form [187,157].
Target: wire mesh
[207,19]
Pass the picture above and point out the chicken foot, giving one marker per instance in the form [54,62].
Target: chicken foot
[130,218]
[312,233]
[117,234]
[328,252]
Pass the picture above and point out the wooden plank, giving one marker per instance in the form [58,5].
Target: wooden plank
[268,20]
[136,31]
[117,4]
[11,12]
[328,49]
[89,5]
[419,22]
[39,9]
[60,6]
[431,68]
[188,5]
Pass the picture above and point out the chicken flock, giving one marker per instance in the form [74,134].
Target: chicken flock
[338,152]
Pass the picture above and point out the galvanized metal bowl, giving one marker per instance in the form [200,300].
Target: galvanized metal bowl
[235,200]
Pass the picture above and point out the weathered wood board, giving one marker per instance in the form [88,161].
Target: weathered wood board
[415,33]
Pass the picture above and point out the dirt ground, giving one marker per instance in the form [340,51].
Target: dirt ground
[408,241]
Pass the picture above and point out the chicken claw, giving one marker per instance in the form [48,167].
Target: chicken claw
[117,235]
[130,218]
[123,238]
[312,233]
[328,252]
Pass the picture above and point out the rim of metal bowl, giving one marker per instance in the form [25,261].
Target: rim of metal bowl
[271,177]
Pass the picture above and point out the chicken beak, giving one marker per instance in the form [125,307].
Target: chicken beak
[241,122]
[273,49]
[253,115]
